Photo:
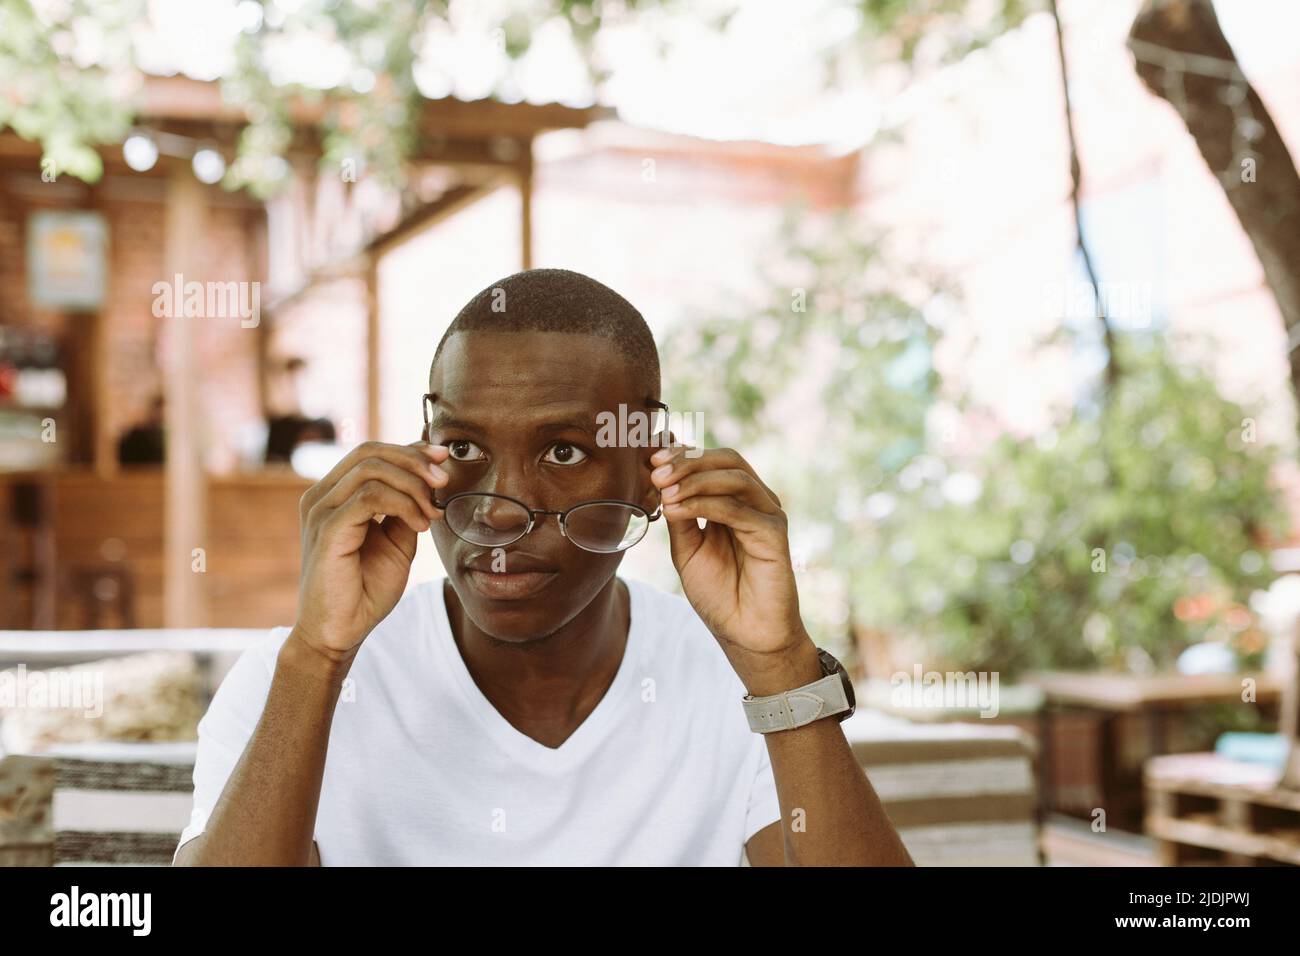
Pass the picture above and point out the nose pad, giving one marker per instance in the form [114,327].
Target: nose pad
[501,515]
[495,513]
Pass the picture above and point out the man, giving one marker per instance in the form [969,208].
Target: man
[535,708]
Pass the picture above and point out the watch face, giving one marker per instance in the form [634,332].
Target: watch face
[832,666]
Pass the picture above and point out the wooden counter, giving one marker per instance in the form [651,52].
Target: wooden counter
[106,532]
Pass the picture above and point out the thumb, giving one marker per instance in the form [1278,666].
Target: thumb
[400,533]
[685,537]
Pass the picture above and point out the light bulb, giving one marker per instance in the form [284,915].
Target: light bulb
[209,166]
[140,153]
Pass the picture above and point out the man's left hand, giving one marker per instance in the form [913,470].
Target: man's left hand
[736,570]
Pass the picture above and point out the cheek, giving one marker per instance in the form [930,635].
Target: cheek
[444,542]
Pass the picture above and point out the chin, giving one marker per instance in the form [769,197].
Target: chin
[521,608]
[513,608]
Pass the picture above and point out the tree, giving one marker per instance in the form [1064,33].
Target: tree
[1116,539]
[1183,57]
[57,92]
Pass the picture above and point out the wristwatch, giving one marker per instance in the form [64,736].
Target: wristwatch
[830,696]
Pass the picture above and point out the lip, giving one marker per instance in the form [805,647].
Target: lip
[514,586]
[517,562]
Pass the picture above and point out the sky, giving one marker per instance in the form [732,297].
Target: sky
[761,79]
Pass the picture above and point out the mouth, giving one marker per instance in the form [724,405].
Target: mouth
[502,586]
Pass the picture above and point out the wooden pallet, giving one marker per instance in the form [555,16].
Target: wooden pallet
[1205,809]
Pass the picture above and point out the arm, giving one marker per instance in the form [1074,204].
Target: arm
[842,822]
[267,811]
[737,574]
[355,568]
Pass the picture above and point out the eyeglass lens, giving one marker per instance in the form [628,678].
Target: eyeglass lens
[491,521]
[606,527]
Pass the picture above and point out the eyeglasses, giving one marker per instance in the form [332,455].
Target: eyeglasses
[490,520]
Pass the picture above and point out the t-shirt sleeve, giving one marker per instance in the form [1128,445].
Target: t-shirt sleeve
[224,731]
[764,808]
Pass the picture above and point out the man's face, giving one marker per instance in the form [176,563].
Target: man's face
[518,411]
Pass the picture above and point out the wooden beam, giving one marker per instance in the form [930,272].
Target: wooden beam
[430,214]
[182,98]
[184,481]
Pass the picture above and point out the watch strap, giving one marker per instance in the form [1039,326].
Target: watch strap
[794,708]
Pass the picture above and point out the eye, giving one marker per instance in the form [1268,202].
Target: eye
[562,453]
[460,449]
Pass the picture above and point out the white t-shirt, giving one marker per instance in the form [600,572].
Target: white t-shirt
[423,770]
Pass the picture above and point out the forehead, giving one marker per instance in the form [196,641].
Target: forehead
[500,371]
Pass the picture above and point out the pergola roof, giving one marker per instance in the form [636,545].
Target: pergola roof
[452,131]
[184,99]
[328,226]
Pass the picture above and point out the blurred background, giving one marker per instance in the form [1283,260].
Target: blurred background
[1002,297]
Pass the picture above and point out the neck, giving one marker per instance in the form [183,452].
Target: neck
[562,674]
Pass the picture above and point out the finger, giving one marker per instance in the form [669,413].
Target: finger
[419,458]
[724,481]
[685,537]
[377,469]
[728,510]
[673,464]
[412,458]
[375,498]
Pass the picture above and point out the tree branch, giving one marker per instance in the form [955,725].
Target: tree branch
[1076,186]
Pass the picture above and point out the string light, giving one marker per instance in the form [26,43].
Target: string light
[208,165]
[140,152]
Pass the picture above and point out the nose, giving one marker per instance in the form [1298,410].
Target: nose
[499,514]
[511,479]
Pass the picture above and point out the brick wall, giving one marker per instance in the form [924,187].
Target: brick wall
[131,334]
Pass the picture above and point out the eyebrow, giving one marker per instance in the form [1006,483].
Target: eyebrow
[444,420]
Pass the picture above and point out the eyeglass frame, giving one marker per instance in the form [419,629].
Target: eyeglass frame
[427,401]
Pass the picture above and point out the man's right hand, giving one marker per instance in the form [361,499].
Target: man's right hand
[354,568]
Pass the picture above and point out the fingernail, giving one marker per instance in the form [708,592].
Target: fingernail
[437,472]
[661,456]
[662,472]
[670,491]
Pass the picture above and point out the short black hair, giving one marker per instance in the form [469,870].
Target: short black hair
[561,300]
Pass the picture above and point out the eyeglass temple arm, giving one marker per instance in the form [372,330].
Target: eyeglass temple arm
[659,511]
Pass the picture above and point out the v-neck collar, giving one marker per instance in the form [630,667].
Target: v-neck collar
[588,734]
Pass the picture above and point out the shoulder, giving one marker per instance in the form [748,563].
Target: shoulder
[420,611]
[414,615]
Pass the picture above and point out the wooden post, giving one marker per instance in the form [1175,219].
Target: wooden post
[526,204]
[372,346]
[1289,720]
[103,441]
[184,482]
[103,446]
